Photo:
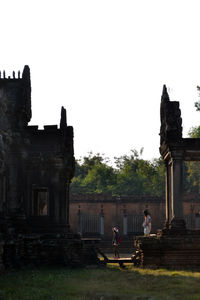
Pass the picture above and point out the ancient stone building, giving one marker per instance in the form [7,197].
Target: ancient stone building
[177,245]
[36,167]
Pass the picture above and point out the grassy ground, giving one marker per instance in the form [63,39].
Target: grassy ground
[100,284]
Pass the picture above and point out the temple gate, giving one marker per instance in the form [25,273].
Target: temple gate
[175,245]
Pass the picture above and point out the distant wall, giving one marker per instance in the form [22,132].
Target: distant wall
[107,211]
[94,215]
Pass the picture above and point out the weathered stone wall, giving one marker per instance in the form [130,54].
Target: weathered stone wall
[40,250]
[171,251]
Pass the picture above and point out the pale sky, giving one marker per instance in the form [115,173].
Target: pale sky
[105,62]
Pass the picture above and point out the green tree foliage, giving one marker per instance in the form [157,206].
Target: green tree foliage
[194,132]
[193,178]
[131,176]
[137,176]
[197,103]
[192,168]
[93,175]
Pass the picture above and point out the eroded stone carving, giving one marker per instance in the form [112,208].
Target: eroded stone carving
[171,122]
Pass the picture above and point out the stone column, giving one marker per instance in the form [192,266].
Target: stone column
[177,222]
[79,222]
[125,224]
[167,192]
[101,224]
[67,203]
[176,188]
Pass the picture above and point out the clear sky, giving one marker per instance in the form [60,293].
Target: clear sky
[105,61]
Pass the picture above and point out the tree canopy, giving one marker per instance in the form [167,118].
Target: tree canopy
[192,168]
[197,103]
[131,175]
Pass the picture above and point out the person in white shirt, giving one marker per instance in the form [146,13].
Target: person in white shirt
[147,223]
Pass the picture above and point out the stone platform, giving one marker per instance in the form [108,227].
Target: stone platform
[168,250]
[46,250]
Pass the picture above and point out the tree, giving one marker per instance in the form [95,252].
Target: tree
[100,179]
[137,176]
[128,177]
[192,168]
[194,132]
[197,103]
[131,176]
[93,175]
[158,180]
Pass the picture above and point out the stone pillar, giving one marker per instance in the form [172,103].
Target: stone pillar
[79,222]
[67,203]
[125,224]
[101,224]
[170,190]
[177,221]
[176,188]
[167,192]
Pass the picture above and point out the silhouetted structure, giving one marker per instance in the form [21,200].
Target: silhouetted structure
[175,245]
[36,167]
[175,150]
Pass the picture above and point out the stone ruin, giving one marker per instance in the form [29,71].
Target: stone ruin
[174,245]
[36,168]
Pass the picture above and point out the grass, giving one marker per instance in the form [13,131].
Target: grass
[99,284]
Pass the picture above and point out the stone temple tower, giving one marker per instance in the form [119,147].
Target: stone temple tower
[36,165]
[36,168]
